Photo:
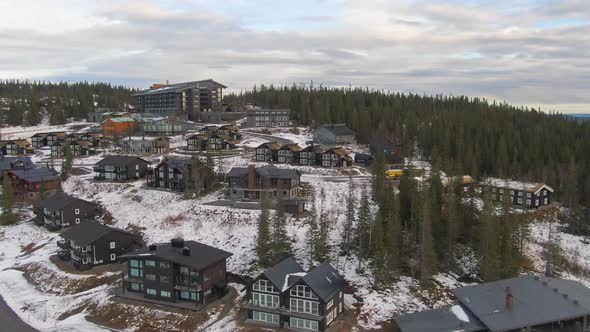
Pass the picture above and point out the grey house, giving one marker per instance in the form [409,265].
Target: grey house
[527,195]
[91,244]
[177,174]
[334,134]
[13,163]
[178,271]
[142,145]
[121,168]
[164,127]
[527,303]
[251,183]
[287,296]
[267,118]
[61,210]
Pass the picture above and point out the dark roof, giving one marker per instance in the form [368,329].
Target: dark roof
[325,281]
[292,146]
[35,174]
[445,319]
[6,163]
[279,274]
[176,162]
[50,133]
[88,232]
[201,255]
[535,300]
[312,148]
[120,161]
[267,171]
[180,87]
[270,145]
[338,129]
[59,201]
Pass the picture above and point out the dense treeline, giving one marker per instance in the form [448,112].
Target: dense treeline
[28,100]
[470,135]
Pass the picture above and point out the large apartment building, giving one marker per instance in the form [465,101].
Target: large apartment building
[267,118]
[184,100]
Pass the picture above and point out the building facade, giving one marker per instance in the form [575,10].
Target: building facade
[267,152]
[177,174]
[60,210]
[91,244]
[141,145]
[334,134]
[32,184]
[251,183]
[178,271]
[120,168]
[15,148]
[527,195]
[118,127]
[267,118]
[184,100]
[286,296]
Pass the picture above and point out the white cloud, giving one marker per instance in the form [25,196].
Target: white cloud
[478,48]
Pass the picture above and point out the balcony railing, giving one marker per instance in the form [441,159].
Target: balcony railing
[282,310]
[64,255]
[64,244]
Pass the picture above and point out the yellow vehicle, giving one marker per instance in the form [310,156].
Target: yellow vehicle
[392,174]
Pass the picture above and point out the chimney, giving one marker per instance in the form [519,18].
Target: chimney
[177,242]
[152,247]
[186,251]
[508,298]
[251,176]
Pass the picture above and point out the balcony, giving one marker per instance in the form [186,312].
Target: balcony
[64,255]
[253,305]
[64,244]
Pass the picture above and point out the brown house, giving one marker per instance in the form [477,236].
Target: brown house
[29,184]
[267,151]
[118,127]
[288,154]
[335,157]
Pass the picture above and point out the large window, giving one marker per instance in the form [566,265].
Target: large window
[136,286]
[136,269]
[164,294]
[303,323]
[264,286]
[302,291]
[150,262]
[331,315]
[150,276]
[151,291]
[309,307]
[189,296]
[265,300]
[265,317]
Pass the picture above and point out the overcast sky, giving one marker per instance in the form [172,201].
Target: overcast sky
[521,51]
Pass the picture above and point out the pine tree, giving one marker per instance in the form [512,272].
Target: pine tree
[379,254]
[14,115]
[363,229]
[321,253]
[488,238]
[7,217]
[427,253]
[393,237]
[263,238]
[312,231]
[281,244]
[350,217]
[378,170]
[66,165]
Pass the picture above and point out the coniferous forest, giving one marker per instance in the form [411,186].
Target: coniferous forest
[28,99]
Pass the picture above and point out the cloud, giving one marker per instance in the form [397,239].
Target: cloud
[505,50]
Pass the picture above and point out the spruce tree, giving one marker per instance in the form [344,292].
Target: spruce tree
[263,238]
[379,254]
[7,217]
[488,238]
[321,252]
[281,244]
[350,217]
[66,165]
[427,253]
[363,229]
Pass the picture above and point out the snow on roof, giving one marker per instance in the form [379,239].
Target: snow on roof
[515,185]
[288,276]
[458,311]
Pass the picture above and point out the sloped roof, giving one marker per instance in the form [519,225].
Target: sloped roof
[88,232]
[325,281]
[270,145]
[535,300]
[177,163]
[44,134]
[180,86]
[120,161]
[201,255]
[533,187]
[278,274]
[60,200]
[445,319]
[35,174]
[120,120]
[339,129]
[6,163]
[312,148]
[267,171]
[292,146]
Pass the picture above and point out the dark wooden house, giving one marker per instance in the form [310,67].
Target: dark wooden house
[251,183]
[40,140]
[91,243]
[14,163]
[61,210]
[336,157]
[287,296]
[177,271]
[15,148]
[288,154]
[310,155]
[267,151]
[121,168]
[527,195]
[177,174]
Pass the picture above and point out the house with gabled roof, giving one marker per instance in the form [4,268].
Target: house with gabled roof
[335,157]
[334,134]
[39,140]
[183,272]
[30,184]
[118,127]
[177,174]
[13,163]
[91,244]
[254,183]
[310,155]
[267,151]
[527,195]
[286,296]
[121,168]
[526,303]
[15,147]
[288,153]
[62,210]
